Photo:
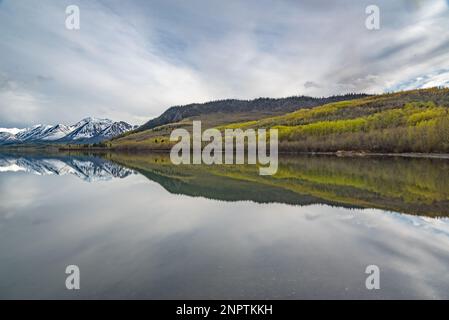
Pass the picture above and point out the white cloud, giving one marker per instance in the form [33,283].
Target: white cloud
[132,60]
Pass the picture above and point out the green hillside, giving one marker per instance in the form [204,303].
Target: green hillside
[230,110]
[409,121]
[154,134]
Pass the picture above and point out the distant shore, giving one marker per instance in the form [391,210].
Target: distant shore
[342,153]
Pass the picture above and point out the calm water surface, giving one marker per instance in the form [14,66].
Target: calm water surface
[139,227]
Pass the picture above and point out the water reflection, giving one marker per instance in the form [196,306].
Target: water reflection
[88,168]
[308,232]
[408,185]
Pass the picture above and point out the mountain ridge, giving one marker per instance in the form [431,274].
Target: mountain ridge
[273,105]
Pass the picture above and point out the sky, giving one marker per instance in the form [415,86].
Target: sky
[131,60]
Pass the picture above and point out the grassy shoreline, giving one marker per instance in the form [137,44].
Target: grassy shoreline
[349,154]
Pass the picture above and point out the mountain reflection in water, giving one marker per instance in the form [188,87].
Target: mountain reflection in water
[88,168]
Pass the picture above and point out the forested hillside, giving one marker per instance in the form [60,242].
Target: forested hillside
[230,109]
[408,121]
[411,121]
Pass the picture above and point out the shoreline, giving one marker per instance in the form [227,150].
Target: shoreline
[353,154]
[348,154]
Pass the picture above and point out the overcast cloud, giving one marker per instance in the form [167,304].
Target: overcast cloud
[132,59]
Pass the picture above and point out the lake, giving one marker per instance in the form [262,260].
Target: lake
[139,227]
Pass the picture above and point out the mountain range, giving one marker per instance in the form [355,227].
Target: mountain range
[88,130]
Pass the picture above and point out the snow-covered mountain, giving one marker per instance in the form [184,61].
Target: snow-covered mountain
[11,130]
[87,168]
[117,128]
[88,130]
[7,137]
